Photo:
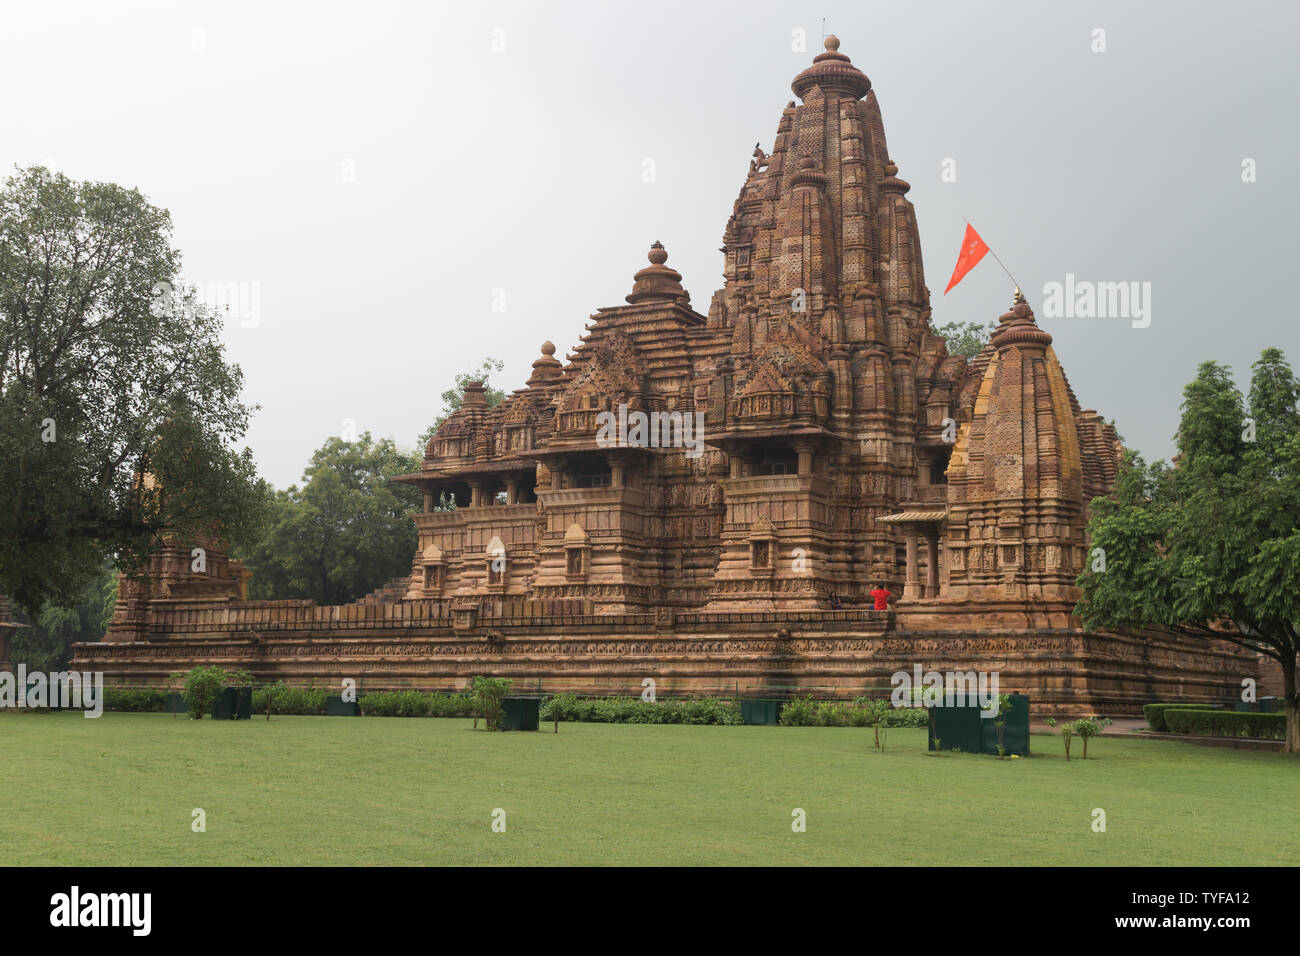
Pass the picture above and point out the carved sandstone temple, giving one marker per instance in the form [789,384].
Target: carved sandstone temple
[804,440]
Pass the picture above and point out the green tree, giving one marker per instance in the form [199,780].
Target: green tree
[488,694]
[202,685]
[452,397]
[109,369]
[45,644]
[1210,548]
[345,532]
[966,338]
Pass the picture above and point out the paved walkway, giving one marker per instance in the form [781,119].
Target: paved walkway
[1129,727]
[1120,727]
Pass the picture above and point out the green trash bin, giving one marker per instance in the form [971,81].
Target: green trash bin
[962,728]
[958,728]
[521,713]
[175,705]
[1015,735]
[338,707]
[224,707]
[763,712]
[243,703]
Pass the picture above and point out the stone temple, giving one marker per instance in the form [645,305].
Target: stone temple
[707,497]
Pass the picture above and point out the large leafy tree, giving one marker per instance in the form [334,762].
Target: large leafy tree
[346,531]
[110,370]
[452,397]
[1210,547]
[45,644]
[966,338]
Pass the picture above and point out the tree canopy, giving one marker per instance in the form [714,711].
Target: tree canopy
[452,397]
[1210,547]
[45,644]
[345,532]
[966,338]
[110,370]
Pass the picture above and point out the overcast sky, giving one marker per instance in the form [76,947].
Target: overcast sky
[376,177]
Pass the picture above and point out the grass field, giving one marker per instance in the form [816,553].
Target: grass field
[340,791]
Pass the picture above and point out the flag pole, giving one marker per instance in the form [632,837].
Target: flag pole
[996,259]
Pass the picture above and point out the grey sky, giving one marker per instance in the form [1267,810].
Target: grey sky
[373,172]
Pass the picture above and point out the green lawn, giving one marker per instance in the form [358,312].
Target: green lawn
[362,791]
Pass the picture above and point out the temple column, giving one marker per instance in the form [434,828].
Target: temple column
[475,494]
[512,491]
[912,585]
[932,563]
[805,459]
[734,462]
[616,473]
[428,501]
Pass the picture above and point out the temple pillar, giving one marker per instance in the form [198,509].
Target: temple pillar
[428,501]
[734,462]
[932,563]
[512,491]
[912,585]
[616,474]
[475,494]
[805,459]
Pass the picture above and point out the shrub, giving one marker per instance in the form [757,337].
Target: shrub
[451,705]
[800,712]
[139,700]
[399,703]
[633,710]
[202,685]
[907,717]
[862,712]
[1087,728]
[1226,723]
[1154,713]
[284,699]
[488,693]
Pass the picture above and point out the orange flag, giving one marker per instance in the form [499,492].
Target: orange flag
[972,251]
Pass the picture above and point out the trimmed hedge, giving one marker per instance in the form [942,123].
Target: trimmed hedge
[633,710]
[413,703]
[136,700]
[831,713]
[290,700]
[1226,723]
[1155,713]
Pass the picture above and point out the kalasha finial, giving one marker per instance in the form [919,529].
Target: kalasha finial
[1018,297]
[656,282]
[832,43]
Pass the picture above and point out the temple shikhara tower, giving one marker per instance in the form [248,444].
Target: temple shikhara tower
[706,496]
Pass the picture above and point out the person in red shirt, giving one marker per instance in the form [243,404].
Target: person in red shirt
[882,597]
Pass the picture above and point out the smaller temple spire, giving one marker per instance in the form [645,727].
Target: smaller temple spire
[474,395]
[1018,327]
[656,282]
[547,368]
